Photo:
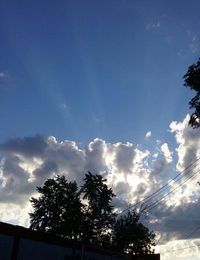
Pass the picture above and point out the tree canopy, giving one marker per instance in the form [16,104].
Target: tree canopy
[86,214]
[132,237]
[192,80]
[58,210]
[99,214]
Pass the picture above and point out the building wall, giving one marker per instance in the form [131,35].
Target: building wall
[29,249]
[18,243]
[6,245]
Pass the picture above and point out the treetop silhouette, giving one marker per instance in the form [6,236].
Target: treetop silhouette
[86,214]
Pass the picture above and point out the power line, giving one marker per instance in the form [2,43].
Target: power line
[164,187]
[187,175]
[191,233]
[171,191]
[153,205]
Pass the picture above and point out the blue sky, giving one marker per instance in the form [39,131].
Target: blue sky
[80,70]
[111,69]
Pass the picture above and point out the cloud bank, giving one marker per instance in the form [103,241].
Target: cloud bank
[132,173]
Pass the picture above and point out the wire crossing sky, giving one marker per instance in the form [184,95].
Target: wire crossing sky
[178,178]
[98,86]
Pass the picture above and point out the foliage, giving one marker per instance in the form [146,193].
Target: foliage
[58,210]
[99,215]
[87,214]
[132,237]
[192,80]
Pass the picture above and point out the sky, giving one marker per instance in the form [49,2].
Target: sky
[98,86]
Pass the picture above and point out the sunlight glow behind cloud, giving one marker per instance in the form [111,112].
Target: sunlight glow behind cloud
[131,172]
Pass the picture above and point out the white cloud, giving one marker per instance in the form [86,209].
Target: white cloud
[188,140]
[188,150]
[28,161]
[180,249]
[155,155]
[15,214]
[148,134]
[2,74]
[166,152]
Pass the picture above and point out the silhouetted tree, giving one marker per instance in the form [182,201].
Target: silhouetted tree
[58,210]
[132,237]
[87,214]
[192,80]
[99,215]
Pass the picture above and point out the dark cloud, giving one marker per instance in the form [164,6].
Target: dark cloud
[122,188]
[141,188]
[158,166]
[181,222]
[26,146]
[124,156]
[15,186]
[160,170]
[45,171]
[120,204]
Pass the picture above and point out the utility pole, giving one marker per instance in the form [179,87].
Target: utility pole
[83,243]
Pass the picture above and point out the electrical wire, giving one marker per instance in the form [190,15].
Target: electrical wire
[153,205]
[187,175]
[166,186]
[191,233]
